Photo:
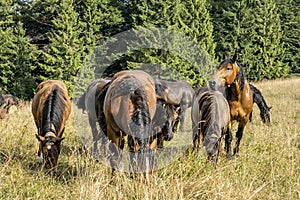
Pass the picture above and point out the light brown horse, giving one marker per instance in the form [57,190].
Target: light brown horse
[238,94]
[51,107]
[128,108]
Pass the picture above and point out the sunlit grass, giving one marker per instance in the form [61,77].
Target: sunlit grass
[267,168]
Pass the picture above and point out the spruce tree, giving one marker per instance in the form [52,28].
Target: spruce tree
[17,55]
[265,59]
[290,23]
[62,58]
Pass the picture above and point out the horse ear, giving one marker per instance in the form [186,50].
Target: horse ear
[235,58]
[58,140]
[224,56]
[40,138]
[270,108]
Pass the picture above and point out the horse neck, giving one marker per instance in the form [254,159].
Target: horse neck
[235,91]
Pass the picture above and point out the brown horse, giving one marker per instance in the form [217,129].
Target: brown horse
[210,121]
[88,102]
[51,107]
[238,94]
[129,103]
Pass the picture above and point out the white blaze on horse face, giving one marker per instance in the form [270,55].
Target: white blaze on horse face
[49,147]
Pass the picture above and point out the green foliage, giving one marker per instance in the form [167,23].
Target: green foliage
[16,55]
[252,29]
[62,58]
[290,23]
[73,40]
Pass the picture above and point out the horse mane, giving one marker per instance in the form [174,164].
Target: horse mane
[209,112]
[99,107]
[53,111]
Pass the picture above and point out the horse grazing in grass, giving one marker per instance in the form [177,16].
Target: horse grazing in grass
[178,93]
[210,121]
[51,107]
[88,102]
[258,98]
[127,105]
[238,94]
[163,122]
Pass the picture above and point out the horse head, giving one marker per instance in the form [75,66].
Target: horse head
[50,149]
[171,115]
[226,74]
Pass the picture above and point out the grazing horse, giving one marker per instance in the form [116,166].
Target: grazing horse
[210,120]
[163,122]
[51,107]
[258,98]
[127,109]
[178,93]
[238,94]
[10,101]
[88,102]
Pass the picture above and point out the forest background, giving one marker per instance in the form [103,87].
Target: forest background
[51,39]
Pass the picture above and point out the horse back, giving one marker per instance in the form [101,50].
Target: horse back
[44,90]
[119,102]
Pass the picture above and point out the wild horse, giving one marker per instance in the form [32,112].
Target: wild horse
[210,120]
[88,102]
[258,98]
[163,122]
[178,93]
[238,94]
[51,107]
[127,105]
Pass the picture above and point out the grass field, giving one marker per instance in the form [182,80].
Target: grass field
[268,166]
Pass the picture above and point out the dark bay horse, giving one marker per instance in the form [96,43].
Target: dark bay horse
[210,121]
[128,108]
[238,94]
[264,109]
[88,102]
[163,122]
[178,93]
[51,107]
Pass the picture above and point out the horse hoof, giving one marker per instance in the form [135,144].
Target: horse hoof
[229,156]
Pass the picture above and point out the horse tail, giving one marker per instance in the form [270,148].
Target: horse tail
[141,120]
[53,111]
[261,103]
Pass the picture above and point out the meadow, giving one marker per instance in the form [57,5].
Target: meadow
[268,166]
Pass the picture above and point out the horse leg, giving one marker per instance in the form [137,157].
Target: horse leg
[95,135]
[228,140]
[114,156]
[181,116]
[239,135]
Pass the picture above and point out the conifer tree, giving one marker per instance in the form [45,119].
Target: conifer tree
[62,58]
[16,54]
[290,23]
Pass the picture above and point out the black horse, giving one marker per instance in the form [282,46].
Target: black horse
[177,93]
[258,98]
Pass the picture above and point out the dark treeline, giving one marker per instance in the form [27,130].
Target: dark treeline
[52,39]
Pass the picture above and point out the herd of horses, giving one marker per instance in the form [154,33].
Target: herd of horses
[136,109]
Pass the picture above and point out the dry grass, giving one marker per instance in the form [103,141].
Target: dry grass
[268,166]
